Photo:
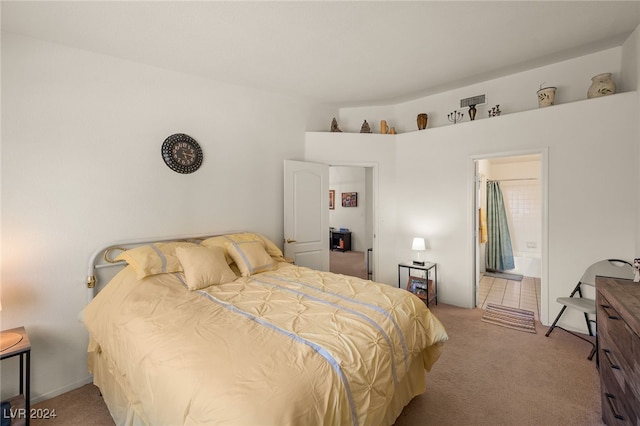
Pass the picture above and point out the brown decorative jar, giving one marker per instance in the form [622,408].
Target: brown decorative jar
[423,120]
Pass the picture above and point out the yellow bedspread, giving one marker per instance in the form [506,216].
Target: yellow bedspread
[292,346]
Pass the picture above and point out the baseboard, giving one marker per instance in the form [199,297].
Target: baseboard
[64,389]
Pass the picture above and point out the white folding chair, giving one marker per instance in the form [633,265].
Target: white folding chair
[607,268]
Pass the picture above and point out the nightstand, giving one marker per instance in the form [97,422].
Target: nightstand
[20,404]
[425,287]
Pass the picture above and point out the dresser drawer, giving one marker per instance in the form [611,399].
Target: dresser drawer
[614,412]
[619,406]
[622,340]
[618,316]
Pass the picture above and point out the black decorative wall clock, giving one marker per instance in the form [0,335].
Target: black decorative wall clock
[182,153]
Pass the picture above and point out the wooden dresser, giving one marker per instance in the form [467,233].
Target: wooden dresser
[618,320]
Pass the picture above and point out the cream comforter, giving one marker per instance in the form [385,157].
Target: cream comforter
[292,346]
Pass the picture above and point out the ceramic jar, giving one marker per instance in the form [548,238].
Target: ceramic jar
[601,85]
[384,127]
[546,96]
[423,120]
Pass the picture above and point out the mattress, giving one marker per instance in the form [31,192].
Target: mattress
[287,346]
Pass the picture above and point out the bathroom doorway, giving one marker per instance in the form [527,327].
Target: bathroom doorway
[520,181]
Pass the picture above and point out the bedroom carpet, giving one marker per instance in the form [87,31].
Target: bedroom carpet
[486,375]
[490,375]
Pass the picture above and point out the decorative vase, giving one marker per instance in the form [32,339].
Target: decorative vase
[384,128]
[365,127]
[472,112]
[334,125]
[423,120]
[546,96]
[602,85]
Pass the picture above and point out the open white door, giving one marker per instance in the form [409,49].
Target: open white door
[306,214]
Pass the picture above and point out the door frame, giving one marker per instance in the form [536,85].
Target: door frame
[544,208]
[374,202]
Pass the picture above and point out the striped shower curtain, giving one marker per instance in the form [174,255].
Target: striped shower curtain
[499,254]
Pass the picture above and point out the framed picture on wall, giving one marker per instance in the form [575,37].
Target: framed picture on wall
[332,199]
[349,199]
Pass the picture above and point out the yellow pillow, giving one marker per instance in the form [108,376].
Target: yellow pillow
[250,257]
[158,258]
[204,266]
[219,241]
[222,240]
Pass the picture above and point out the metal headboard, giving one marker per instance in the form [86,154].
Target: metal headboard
[104,256]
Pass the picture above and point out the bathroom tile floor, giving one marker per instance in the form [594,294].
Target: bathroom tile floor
[523,294]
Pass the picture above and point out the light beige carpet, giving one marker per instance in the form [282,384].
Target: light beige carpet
[490,375]
[487,375]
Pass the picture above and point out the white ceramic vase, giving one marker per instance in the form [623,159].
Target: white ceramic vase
[602,85]
[546,96]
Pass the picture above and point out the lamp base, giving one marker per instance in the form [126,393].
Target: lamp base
[418,262]
[9,340]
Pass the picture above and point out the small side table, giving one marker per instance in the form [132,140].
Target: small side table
[340,240]
[20,405]
[430,280]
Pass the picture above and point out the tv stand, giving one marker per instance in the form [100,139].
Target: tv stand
[340,240]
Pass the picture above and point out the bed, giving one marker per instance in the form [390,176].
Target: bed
[224,330]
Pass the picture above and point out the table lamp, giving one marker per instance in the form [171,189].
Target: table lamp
[8,339]
[418,246]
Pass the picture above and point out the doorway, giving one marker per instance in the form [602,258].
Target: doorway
[522,180]
[351,220]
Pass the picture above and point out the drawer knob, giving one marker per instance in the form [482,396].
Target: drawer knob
[605,308]
[607,354]
[614,410]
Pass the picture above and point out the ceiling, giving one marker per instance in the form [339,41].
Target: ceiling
[344,53]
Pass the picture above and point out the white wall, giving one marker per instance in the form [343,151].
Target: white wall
[592,146]
[582,225]
[631,80]
[591,149]
[81,167]
[350,179]
[514,93]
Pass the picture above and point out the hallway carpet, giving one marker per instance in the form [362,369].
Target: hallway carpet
[348,263]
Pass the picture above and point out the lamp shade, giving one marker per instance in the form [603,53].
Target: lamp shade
[418,244]
[9,339]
